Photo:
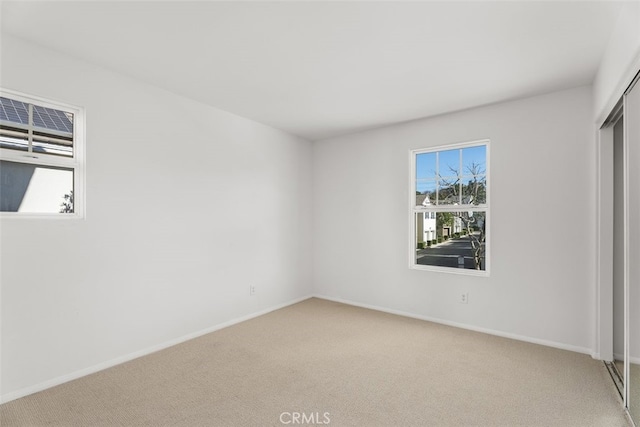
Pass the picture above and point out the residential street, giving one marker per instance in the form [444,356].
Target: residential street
[448,254]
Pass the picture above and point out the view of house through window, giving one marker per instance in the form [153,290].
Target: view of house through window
[450,209]
[39,152]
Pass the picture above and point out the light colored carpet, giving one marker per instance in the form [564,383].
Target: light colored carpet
[361,367]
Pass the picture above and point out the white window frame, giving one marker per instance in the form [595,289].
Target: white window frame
[413,209]
[75,162]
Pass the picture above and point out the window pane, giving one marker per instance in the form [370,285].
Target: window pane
[426,175]
[426,193]
[48,118]
[449,163]
[474,190]
[474,161]
[13,138]
[452,239]
[13,111]
[449,191]
[426,166]
[35,189]
[52,144]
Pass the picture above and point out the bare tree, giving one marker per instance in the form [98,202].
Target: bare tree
[474,224]
[472,193]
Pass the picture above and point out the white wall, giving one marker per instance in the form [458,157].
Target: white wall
[542,238]
[620,61]
[186,207]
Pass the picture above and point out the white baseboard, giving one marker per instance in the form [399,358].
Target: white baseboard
[502,334]
[118,360]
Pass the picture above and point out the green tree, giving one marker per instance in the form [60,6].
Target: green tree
[443,219]
[67,205]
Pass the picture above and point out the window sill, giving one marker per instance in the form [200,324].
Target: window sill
[40,216]
[449,270]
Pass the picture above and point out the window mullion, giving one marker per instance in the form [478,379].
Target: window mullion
[460,176]
[30,128]
[437,178]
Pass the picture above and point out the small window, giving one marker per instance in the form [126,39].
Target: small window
[449,208]
[41,161]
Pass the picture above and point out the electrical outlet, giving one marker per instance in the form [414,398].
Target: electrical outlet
[252,290]
[464,298]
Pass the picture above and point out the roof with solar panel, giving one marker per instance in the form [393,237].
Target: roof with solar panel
[15,111]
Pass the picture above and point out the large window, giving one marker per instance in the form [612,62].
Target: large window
[41,157]
[449,208]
